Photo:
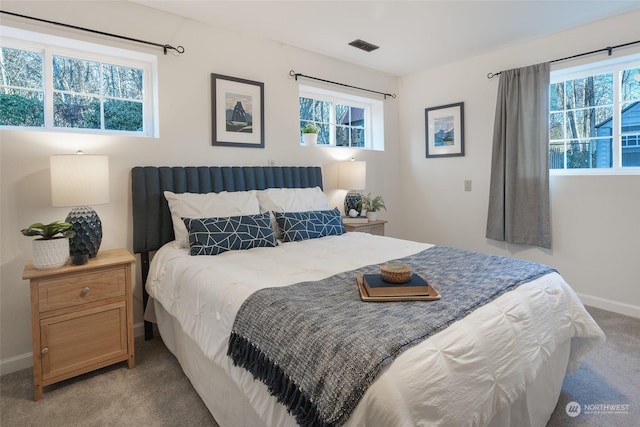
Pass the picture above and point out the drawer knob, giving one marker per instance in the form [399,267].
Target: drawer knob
[84,291]
[45,350]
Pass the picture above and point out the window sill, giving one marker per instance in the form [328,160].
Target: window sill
[595,172]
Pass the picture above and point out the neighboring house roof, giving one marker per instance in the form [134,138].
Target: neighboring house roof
[631,108]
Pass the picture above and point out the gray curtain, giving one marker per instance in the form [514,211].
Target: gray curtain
[519,193]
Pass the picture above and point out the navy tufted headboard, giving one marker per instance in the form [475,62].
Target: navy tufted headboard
[152,225]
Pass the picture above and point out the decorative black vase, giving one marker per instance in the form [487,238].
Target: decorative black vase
[88,228]
[352,201]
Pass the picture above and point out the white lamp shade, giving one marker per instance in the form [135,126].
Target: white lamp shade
[352,175]
[79,180]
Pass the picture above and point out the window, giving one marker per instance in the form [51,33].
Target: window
[344,120]
[594,120]
[56,84]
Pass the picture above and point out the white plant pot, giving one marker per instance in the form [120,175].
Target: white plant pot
[310,138]
[372,216]
[51,253]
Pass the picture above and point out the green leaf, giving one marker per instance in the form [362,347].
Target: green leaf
[49,231]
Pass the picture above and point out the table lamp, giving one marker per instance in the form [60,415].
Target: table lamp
[352,176]
[80,180]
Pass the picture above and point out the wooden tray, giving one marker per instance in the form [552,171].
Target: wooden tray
[364,295]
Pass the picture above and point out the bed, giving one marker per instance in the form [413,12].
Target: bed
[496,363]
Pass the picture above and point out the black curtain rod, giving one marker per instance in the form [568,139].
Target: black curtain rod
[165,47]
[609,50]
[296,75]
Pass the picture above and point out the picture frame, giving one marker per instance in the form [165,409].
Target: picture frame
[237,112]
[444,126]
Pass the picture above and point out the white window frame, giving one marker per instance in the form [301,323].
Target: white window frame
[50,46]
[615,66]
[373,112]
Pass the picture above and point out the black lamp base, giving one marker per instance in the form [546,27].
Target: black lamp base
[352,201]
[88,228]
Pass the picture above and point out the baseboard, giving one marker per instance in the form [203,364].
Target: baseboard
[610,305]
[16,363]
[25,360]
[138,329]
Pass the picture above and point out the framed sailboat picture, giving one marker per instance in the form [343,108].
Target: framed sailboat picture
[237,112]
[444,128]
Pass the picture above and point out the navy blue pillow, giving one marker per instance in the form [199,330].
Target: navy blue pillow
[309,225]
[212,236]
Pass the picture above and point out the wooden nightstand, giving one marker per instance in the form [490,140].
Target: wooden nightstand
[81,317]
[371,227]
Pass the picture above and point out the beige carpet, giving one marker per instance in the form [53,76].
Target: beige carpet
[607,384]
[156,392]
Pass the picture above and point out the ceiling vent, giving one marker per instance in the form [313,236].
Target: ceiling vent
[361,44]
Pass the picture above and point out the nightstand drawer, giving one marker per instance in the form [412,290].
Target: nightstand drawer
[76,289]
[371,227]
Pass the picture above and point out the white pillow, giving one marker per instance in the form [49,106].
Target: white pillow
[208,205]
[291,200]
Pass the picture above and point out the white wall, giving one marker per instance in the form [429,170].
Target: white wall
[185,134]
[595,219]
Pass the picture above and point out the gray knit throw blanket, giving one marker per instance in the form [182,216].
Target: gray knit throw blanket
[318,347]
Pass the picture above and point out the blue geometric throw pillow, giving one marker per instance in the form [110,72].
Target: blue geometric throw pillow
[309,225]
[212,236]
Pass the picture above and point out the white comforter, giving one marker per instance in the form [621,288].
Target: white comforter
[461,376]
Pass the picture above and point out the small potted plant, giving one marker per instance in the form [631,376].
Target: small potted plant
[51,250]
[372,205]
[310,133]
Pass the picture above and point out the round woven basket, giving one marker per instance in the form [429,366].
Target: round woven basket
[395,272]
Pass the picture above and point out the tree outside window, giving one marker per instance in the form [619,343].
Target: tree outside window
[100,93]
[594,120]
[342,124]
[21,88]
